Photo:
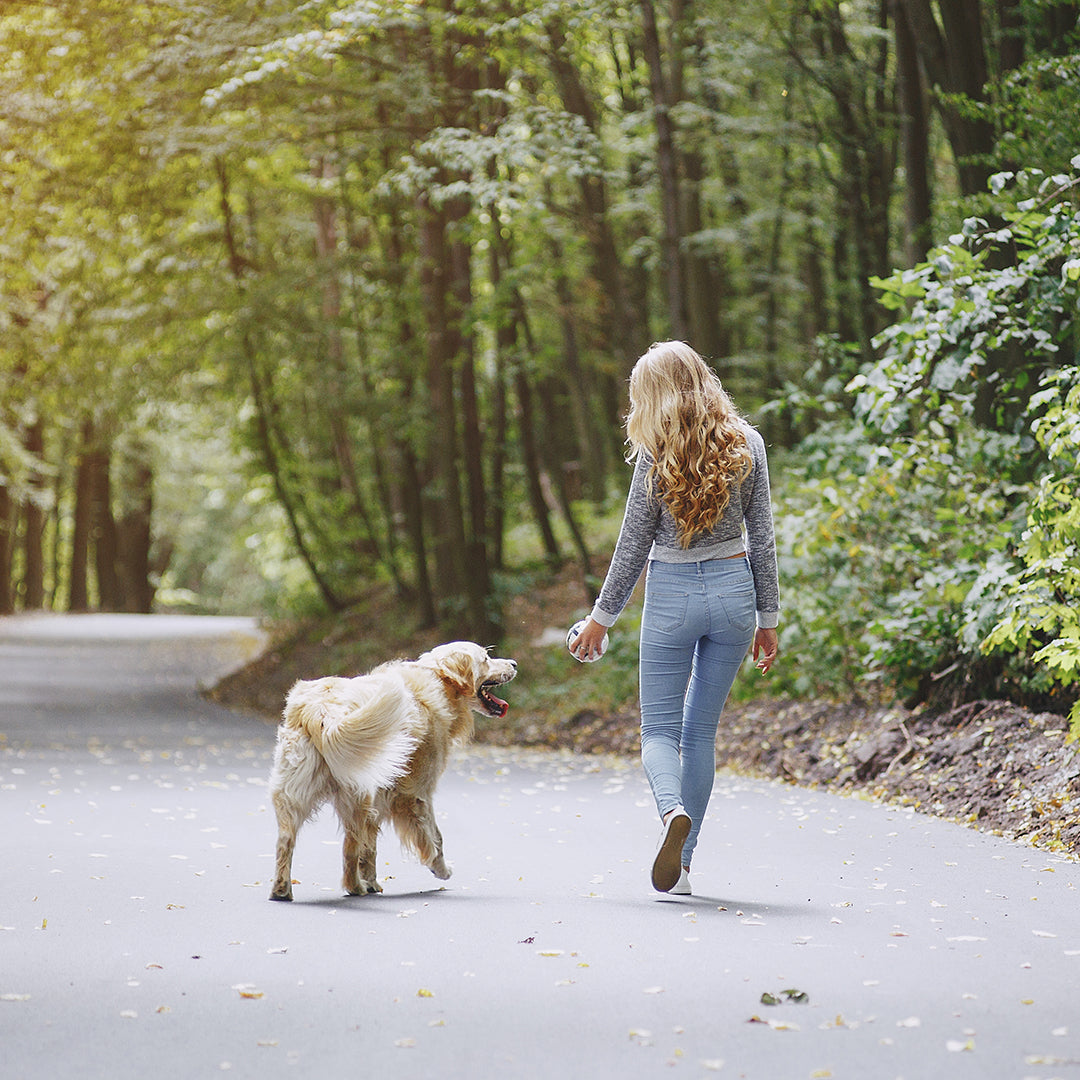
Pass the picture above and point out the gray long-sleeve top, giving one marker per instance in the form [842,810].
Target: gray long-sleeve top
[650,532]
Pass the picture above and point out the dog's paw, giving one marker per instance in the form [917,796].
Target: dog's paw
[283,895]
[363,888]
[441,869]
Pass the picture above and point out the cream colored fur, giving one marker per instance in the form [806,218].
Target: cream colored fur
[375,746]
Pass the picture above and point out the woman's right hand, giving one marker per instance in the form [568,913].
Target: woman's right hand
[766,649]
[587,644]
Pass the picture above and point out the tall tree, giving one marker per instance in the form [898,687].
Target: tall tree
[950,38]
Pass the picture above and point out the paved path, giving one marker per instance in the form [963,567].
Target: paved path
[136,939]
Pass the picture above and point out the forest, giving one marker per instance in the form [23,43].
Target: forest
[298,300]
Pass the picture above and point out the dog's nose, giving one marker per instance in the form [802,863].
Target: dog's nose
[513,664]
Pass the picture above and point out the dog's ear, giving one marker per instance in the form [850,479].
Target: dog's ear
[459,669]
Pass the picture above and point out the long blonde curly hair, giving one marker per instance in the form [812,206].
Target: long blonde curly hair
[682,416]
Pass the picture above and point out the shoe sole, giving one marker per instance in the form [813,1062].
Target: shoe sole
[667,866]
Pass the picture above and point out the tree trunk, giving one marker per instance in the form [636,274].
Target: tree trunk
[622,323]
[1011,35]
[814,307]
[953,56]
[134,532]
[7,593]
[666,168]
[914,139]
[586,446]
[461,550]
[505,340]
[531,461]
[477,538]
[412,482]
[33,597]
[442,496]
[863,183]
[409,483]
[553,461]
[103,531]
[78,587]
[338,397]
[777,426]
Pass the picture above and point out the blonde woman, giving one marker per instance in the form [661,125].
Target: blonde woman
[699,514]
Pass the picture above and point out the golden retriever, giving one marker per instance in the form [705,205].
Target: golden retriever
[375,746]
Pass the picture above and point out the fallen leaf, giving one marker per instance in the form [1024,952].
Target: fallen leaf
[776,1025]
[958,1046]
[14,997]
[424,993]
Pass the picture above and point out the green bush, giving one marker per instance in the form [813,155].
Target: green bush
[1045,616]
[929,541]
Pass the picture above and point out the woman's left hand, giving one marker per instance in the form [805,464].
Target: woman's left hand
[766,648]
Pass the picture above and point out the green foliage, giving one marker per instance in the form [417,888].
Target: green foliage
[930,543]
[1045,616]
[884,551]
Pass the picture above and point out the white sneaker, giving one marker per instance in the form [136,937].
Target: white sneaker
[682,886]
[668,862]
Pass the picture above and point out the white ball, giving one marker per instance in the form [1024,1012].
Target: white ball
[571,637]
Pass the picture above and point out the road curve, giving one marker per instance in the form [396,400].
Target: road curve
[136,939]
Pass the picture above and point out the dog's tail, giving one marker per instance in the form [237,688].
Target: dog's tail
[359,726]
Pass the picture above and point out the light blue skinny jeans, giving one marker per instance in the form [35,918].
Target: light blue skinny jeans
[696,628]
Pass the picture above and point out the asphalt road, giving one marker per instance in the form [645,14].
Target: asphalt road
[136,938]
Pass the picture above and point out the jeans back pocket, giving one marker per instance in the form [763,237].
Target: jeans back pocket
[665,607]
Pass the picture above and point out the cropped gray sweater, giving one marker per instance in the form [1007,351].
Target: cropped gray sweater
[649,532]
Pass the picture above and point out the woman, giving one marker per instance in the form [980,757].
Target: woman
[699,513]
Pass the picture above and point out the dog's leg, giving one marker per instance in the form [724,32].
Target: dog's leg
[361,825]
[298,783]
[289,819]
[414,820]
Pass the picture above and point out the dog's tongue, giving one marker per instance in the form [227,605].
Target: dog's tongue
[501,705]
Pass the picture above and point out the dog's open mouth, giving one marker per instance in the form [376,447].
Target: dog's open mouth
[495,706]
